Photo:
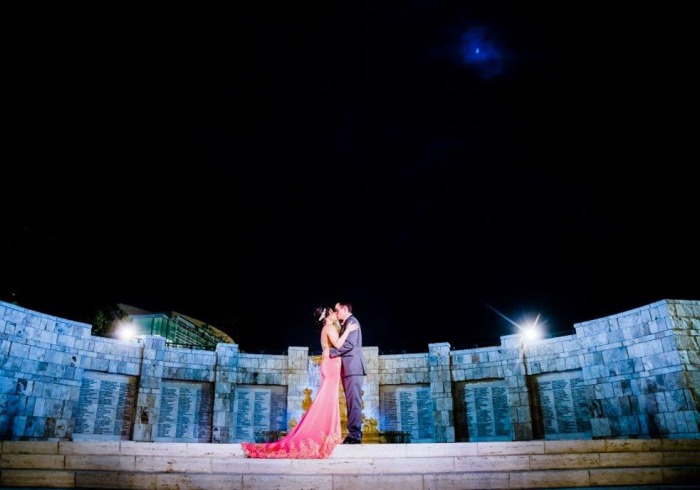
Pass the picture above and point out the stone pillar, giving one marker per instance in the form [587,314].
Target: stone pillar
[516,378]
[441,391]
[148,398]
[224,392]
[370,396]
[297,381]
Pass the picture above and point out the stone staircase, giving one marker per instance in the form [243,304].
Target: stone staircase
[640,463]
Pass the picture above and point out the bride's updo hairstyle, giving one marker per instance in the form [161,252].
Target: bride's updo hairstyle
[320,314]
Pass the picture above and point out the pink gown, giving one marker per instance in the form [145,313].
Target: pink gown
[318,432]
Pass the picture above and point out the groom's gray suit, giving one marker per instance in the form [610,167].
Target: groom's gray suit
[352,373]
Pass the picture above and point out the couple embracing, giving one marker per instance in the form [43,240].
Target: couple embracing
[318,432]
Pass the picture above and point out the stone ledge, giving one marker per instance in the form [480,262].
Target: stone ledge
[532,464]
[574,478]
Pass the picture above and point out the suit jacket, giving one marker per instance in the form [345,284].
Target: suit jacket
[350,353]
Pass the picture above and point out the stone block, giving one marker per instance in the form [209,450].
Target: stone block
[624,476]
[632,445]
[338,467]
[215,450]
[550,478]
[179,481]
[458,449]
[143,432]
[88,447]
[320,482]
[115,480]
[632,459]
[30,447]
[509,448]
[414,465]
[247,466]
[681,458]
[19,350]
[389,482]
[173,464]
[153,449]
[32,461]
[492,463]
[104,462]
[564,461]
[680,444]
[462,481]
[38,479]
[689,475]
[573,446]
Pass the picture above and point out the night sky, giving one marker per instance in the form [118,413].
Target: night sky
[446,166]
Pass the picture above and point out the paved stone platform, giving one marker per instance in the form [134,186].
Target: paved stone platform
[612,463]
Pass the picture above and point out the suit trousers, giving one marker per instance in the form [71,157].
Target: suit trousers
[353,399]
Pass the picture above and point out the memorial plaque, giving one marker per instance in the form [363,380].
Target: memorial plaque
[258,409]
[482,412]
[407,409]
[106,407]
[426,423]
[562,404]
[388,409]
[185,411]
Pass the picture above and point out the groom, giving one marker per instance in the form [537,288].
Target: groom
[352,371]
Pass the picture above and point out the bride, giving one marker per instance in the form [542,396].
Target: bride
[318,432]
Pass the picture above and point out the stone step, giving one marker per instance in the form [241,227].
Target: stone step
[479,465]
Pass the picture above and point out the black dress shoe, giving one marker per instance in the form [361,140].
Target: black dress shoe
[352,440]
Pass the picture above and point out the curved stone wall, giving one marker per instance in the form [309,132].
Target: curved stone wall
[630,375]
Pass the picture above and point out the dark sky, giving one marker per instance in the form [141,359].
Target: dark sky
[443,165]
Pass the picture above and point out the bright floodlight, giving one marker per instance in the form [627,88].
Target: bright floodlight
[531,332]
[126,331]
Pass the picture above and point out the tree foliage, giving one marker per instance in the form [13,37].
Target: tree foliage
[105,318]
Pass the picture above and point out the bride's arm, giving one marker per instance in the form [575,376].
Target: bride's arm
[339,340]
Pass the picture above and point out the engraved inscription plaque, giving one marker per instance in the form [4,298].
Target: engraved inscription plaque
[389,420]
[185,411]
[562,404]
[106,407]
[408,409]
[482,412]
[258,409]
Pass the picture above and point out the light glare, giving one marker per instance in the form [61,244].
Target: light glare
[126,331]
[531,330]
